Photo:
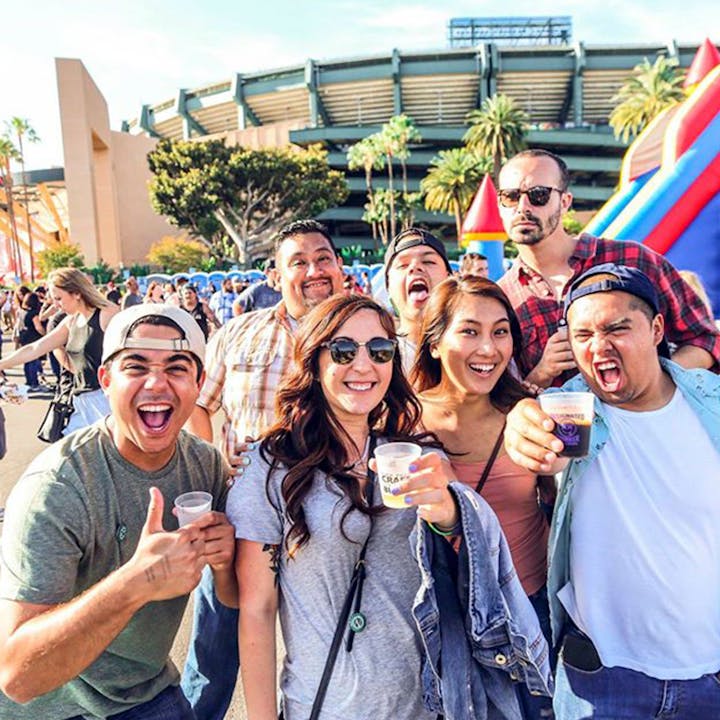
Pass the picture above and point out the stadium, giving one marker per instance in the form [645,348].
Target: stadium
[566,89]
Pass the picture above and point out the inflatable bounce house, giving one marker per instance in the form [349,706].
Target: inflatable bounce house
[669,194]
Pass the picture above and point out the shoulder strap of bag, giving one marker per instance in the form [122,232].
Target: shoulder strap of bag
[354,593]
[491,460]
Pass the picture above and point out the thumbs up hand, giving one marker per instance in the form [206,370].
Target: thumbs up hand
[166,564]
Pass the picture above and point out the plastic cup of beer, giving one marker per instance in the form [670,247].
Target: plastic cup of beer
[192,505]
[393,462]
[573,415]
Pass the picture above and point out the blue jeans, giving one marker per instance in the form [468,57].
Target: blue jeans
[213,662]
[538,707]
[32,370]
[170,704]
[615,693]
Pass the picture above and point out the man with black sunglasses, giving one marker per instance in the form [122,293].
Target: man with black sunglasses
[533,196]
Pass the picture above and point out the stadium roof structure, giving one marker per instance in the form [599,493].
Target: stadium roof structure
[566,90]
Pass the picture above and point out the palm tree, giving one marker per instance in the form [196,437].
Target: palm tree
[22,128]
[367,155]
[401,131]
[452,181]
[650,90]
[498,130]
[9,152]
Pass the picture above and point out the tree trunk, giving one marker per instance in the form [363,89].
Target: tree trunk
[391,191]
[15,239]
[237,238]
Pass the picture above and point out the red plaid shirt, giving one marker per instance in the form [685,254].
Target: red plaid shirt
[687,321]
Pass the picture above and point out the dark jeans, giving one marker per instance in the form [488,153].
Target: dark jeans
[615,693]
[212,665]
[170,704]
[538,707]
[32,370]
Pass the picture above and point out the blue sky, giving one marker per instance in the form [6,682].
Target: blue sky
[142,52]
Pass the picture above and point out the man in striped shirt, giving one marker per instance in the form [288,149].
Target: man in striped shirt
[244,362]
[532,197]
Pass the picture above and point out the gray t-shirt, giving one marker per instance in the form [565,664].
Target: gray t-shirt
[380,678]
[259,296]
[74,517]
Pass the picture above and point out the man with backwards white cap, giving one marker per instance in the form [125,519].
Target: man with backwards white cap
[92,584]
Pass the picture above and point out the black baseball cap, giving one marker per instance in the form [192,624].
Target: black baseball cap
[412,237]
[616,277]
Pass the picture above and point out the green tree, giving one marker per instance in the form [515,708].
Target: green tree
[9,152]
[367,155]
[175,254]
[22,129]
[245,195]
[60,254]
[645,94]
[497,130]
[452,181]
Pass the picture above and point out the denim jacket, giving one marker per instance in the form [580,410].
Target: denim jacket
[700,388]
[478,629]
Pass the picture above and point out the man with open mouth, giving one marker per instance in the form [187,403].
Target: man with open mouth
[634,582]
[93,585]
[415,262]
[533,196]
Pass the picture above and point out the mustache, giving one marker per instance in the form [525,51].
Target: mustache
[526,217]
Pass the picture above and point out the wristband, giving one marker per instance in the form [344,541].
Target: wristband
[438,531]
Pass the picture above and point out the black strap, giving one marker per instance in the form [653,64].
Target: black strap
[491,460]
[353,597]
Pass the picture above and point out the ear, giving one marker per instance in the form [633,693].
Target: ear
[104,378]
[566,201]
[658,328]
[434,353]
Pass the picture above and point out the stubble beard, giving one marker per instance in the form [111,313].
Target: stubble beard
[542,230]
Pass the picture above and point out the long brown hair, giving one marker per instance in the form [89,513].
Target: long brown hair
[308,435]
[444,300]
[72,280]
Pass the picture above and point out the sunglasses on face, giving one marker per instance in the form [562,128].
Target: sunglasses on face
[344,350]
[538,196]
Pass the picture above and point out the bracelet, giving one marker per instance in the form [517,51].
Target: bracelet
[438,531]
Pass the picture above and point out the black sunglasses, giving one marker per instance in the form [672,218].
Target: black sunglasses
[344,350]
[538,195]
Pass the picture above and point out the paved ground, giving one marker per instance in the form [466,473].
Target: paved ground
[22,422]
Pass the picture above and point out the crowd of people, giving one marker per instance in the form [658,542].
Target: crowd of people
[513,583]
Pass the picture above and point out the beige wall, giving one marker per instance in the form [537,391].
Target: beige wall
[106,175]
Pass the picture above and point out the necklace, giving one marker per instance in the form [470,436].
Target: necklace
[362,460]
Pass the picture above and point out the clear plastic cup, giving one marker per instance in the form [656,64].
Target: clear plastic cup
[393,462]
[573,415]
[192,505]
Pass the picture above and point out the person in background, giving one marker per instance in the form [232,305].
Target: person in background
[30,331]
[415,262]
[132,296]
[466,388]
[474,264]
[155,293]
[170,294]
[112,293]
[533,196]
[81,334]
[190,301]
[260,295]
[221,302]
[365,283]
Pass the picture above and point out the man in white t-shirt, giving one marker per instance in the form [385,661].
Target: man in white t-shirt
[634,579]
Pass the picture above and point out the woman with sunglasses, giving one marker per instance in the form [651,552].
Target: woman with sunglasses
[316,545]
[462,372]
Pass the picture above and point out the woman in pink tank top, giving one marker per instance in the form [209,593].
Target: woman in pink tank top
[463,375]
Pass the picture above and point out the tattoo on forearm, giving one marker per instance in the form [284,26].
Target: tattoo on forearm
[274,551]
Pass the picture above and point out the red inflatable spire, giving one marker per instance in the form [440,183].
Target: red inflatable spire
[706,58]
[482,221]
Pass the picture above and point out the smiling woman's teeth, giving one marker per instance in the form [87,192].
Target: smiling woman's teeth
[482,368]
[359,386]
